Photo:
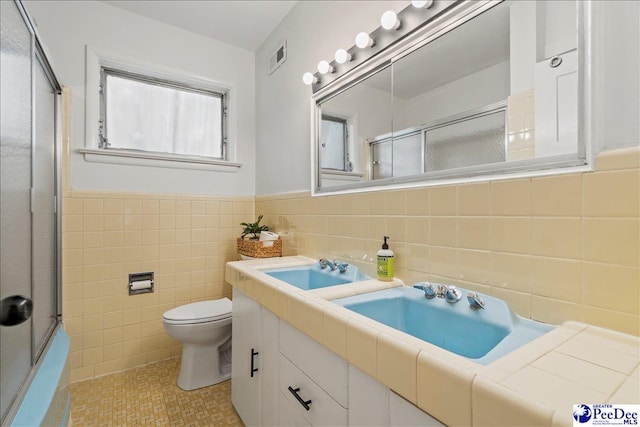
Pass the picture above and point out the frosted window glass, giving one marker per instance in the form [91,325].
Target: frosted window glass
[333,144]
[150,117]
[476,141]
[407,155]
[382,154]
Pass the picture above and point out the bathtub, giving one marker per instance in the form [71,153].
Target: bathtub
[47,400]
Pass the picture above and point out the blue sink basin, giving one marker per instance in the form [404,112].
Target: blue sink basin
[479,335]
[313,277]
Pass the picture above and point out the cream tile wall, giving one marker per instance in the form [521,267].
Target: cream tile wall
[521,125]
[184,240]
[557,248]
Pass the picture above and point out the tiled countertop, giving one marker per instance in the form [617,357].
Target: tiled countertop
[536,384]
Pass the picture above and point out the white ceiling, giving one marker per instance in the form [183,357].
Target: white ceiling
[245,23]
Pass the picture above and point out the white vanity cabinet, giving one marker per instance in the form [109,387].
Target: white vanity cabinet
[289,414]
[368,400]
[280,376]
[312,379]
[372,403]
[403,413]
[254,369]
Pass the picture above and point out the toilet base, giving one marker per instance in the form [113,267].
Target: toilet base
[200,367]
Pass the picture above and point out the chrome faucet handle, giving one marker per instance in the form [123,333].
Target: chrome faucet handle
[332,264]
[323,263]
[452,294]
[427,287]
[475,302]
[429,292]
[342,267]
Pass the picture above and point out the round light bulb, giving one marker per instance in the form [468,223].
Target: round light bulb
[342,56]
[422,3]
[309,78]
[363,40]
[324,67]
[389,20]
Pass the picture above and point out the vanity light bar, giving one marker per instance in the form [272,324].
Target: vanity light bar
[394,27]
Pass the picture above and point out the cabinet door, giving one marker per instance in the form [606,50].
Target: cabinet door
[556,106]
[269,374]
[404,413]
[246,359]
[289,415]
[323,366]
[368,400]
[321,409]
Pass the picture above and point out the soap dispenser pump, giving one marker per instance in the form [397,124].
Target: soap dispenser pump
[386,262]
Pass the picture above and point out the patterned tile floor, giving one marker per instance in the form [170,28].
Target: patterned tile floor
[149,396]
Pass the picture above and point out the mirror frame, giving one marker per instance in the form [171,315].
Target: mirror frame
[453,17]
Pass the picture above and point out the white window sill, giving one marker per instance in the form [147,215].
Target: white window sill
[160,160]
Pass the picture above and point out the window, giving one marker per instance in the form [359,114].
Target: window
[334,142]
[147,114]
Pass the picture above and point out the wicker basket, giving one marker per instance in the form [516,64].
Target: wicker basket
[254,248]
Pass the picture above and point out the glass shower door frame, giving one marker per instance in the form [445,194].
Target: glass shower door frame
[38,63]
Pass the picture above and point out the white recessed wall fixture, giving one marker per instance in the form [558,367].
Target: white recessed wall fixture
[393,27]
[390,21]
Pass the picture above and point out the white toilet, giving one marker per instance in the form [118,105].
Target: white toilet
[204,329]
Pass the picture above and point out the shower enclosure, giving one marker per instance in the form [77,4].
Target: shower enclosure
[29,206]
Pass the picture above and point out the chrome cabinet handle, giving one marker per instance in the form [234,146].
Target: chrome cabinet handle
[305,403]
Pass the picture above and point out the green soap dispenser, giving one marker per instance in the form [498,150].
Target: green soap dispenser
[386,262]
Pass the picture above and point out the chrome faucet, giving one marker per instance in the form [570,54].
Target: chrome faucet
[451,294]
[342,267]
[475,302]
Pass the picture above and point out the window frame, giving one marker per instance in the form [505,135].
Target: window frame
[345,141]
[103,139]
[96,58]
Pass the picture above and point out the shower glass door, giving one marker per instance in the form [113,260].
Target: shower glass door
[15,206]
[28,212]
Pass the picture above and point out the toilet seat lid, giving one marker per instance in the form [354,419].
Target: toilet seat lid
[199,312]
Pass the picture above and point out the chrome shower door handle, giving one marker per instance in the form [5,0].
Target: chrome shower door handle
[15,310]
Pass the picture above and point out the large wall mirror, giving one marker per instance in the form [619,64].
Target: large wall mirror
[489,87]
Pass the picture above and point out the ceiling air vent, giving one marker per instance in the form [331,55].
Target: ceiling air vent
[277,58]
